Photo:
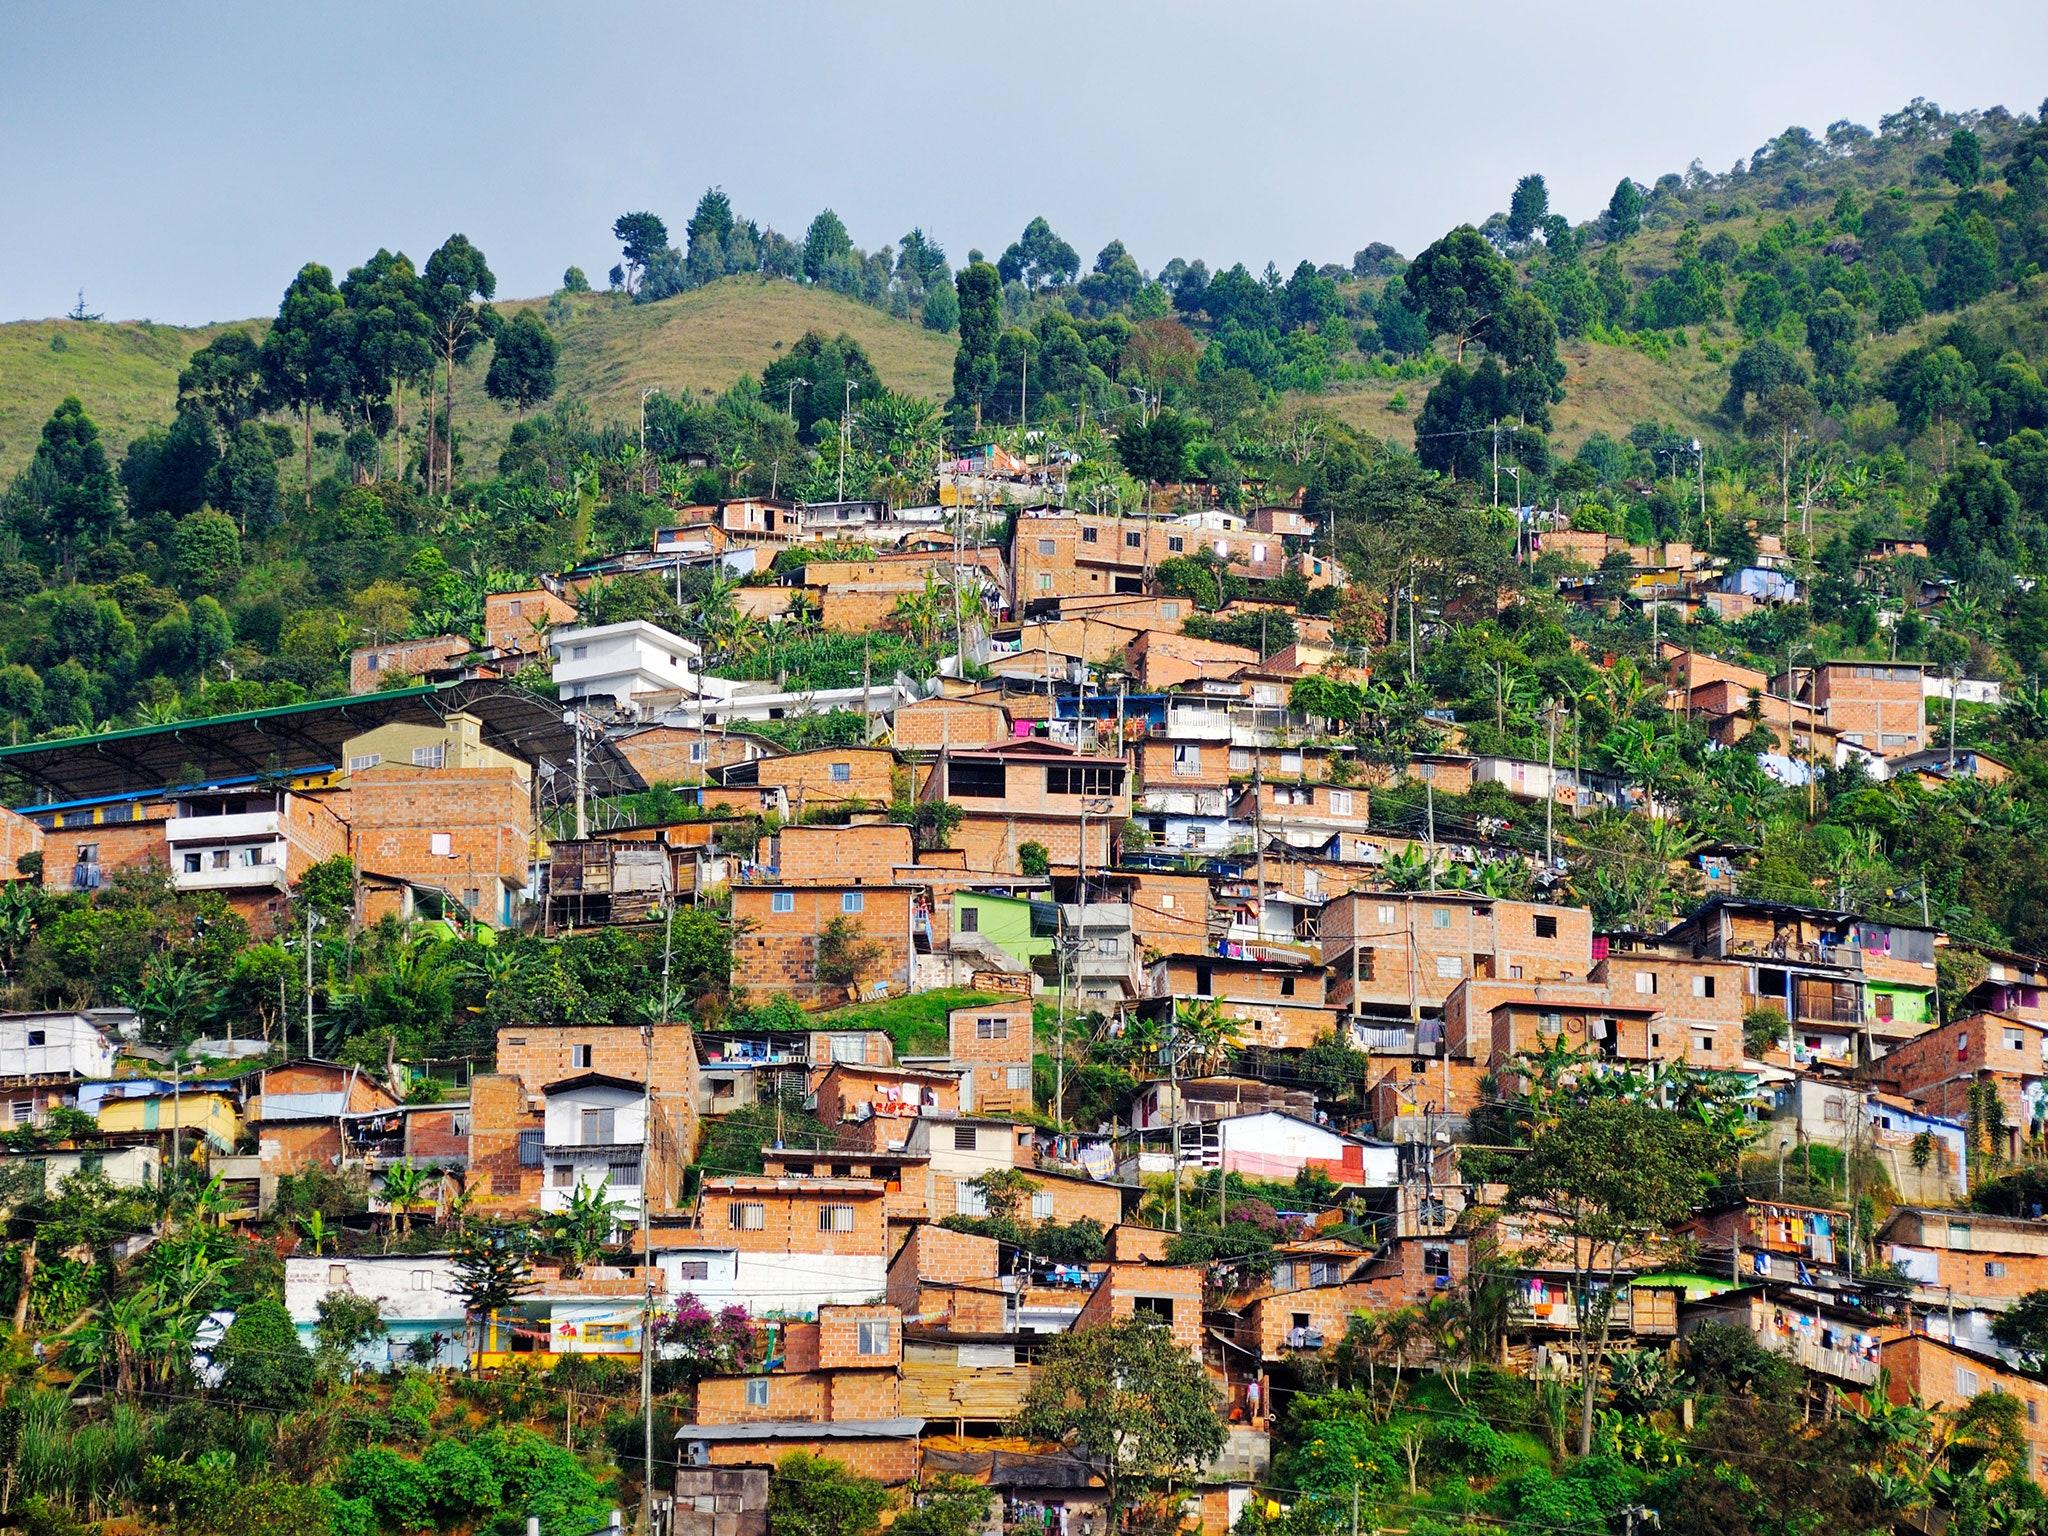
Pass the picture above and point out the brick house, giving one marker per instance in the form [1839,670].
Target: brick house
[1279,1000]
[961,1149]
[1934,1373]
[297,1109]
[1032,791]
[675,754]
[1701,1000]
[841,1367]
[890,1097]
[800,854]
[1408,950]
[823,778]
[992,1045]
[777,929]
[950,1279]
[930,725]
[790,1217]
[1880,707]
[885,1450]
[1937,1070]
[1169,1294]
[372,667]
[518,622]
[1967,1256]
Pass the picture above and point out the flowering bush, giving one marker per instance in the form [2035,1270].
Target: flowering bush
[706,1344]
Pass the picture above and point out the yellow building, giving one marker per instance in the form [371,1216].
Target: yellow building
[456,743]
[194,1111]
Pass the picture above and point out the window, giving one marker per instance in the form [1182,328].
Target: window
[1440,918]
[850,1048]
[874,1338]
[37,1037]
[1187,760]
[1087,535]
[1646,982]
[697,753]
[600,1127]
[1290,762]
[842,773]
[1134,540]
[969,1201]
[579,652]
[1157,1307]
[1436,1262]
[1041,1205]
[1240,760]
[192,863]
[337,1274]
[970,920]
[623,1173]
[1449,967]
[1546,928]
[1169,610]
[1340,802]
[977,780]
[363,761]
[694,1269]
[1045,546]
[1893,739]
[1385,914]
[1966,1381]
[579,1056]
[1017,1077]
[1175,544]
[1287,986]
[1703,986]
[1079,780]
[1993,1270]
[757,1391]
[2015,1039]
[560,1175]
[1550,1024]
[782,901]
[835,1218]
[852,901]
[441,845]
[22,1111]
[963,1138]
[746,1216]
[515,609]
[529,1148]
[992,1029]
[1045,581]
[435,756]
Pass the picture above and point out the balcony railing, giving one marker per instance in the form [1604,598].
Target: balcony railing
[240,827]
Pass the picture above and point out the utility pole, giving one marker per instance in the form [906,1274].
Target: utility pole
[789,397]
[647,1240]
[1955,688]
[1496,466]
[574,718]
[1173,1086]
[1429,801]
[1550,785]
[845,430]
[652,389]
[311,919]
[1024,395]
[1259,832]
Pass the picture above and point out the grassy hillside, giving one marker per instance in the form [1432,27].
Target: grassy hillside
[127,372]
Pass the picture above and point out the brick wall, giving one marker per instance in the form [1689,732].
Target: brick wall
[485,816]
[844,1089]
[777,951]
[535,1055]
[930,724]
[990,839]
[1701,1001]
[810,779]
[1123,1287]
[510,619]
[19,837]
[838,856]
[888,1461]
[790,1215]
[666,754]
[498,1113]
[370,665]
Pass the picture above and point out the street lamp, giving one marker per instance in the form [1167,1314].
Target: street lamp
[652,389]
[845,424]
[789,397]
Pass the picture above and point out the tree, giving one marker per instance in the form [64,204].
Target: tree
[456,297]
[813,1496]
[243,484]
[1759,368]
[390,333]
[1527,209]
[1831,334]
[826,244]
[642,237]
[980,293]
[1611,1174]
[1935,388]
[2023,1328]
[1962,162]
[1782,417]
[303,363]
[1039,258]
[404,1186]
[224,378]
[1977,527]
[573,281]
[1130,1398]
[70,467]
[492,1269]
[941,310]
[1156,450]
[261,1361]
[522,371]
[1460,283]
[845,954]
[579,1233]
[207,549]
[1624,214]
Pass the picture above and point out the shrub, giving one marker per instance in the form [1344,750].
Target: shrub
[261,1361]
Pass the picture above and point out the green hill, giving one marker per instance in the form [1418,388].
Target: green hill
[126,372]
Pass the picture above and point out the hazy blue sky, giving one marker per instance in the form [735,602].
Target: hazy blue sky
[181,161]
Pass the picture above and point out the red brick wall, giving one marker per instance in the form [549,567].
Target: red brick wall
[486,814]
[777,951]
[401,658]
[806,777]
[889,1461]
[662,753]
[790,1216]
[838,856]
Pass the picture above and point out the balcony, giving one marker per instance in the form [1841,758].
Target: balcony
[233,875]
[240,827]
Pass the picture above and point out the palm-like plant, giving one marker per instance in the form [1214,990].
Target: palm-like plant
[579,1233]
[404,1187]
[313,1227]
[1204,1035]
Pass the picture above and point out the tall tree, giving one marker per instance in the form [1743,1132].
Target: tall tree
[522,372]
[826,243]
[78,484]
[980,290]
[390,333]
[1131,1399]
[643,236]
[712,221]
[1460,283]
[1527,209]
[1611,1174]
[456,297]
[1624,210]
[224,378]
[300,353]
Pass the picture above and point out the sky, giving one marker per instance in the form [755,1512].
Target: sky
[181,162]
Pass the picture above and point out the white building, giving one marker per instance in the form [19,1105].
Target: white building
[418,1296]
[594,1132]
[618,662]
[772,1284]
[729,703]
[53,1045]
[136,1167]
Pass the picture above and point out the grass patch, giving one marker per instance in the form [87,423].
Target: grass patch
[917,1024]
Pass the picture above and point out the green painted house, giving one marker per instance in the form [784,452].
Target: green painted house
[1020,928]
